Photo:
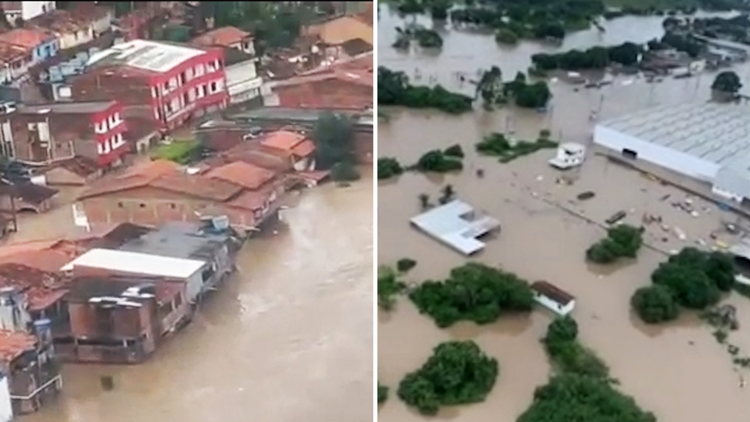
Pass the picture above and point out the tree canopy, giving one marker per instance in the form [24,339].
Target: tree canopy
[692,279]
[458,372]
[333,135]
[473,292]
[573,397]
[394,89]
[622,241]
[727,82]
[598,57]
[580,389]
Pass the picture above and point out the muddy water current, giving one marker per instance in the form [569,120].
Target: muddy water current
[674,371]
[289,338]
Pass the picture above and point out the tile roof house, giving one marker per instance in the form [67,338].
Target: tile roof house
[155,192]
[40,43]
[229,37]
[298,147]
[340,29]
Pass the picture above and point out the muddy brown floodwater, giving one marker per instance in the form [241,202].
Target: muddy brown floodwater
[673,370]
[289,338]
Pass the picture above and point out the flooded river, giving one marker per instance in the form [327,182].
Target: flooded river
[672,370]
[288,339]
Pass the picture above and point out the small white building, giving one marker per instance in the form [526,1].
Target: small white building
[457,225]
[708,142]
[193,272]
[569,155]
[553,298]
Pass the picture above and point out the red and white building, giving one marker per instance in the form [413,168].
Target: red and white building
[47,133]
[167,82]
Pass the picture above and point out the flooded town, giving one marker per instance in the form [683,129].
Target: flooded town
[186,206]
[496,208]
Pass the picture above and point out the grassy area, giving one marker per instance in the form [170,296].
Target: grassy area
[497,145]
[179,151]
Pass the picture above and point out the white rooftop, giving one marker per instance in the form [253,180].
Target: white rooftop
[711,131]
[147,55]
[457,225]
[136,263]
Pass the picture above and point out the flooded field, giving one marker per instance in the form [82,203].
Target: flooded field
[670,370]
[289,338]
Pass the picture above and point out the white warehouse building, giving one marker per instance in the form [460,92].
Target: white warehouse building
[709,142]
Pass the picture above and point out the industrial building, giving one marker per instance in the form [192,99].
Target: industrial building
[708,142]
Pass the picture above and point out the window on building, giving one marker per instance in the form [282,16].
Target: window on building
[213,88]
[201,91]
[191,95]
[189,73]
[154,92]
[199,70]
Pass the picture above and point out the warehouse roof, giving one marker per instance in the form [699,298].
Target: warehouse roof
[710,131]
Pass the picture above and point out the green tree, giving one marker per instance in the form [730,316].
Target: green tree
[690,287]
[622,241]
[561,330]
[333,135]
[727,82]
[436,161]
[405,265]
[388,167]
[382,393]
[574,397]
[473,292]
[389,287]
[654,304]
[394,89]
[458,372]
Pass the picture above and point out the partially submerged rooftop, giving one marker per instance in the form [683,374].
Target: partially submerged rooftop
[457,225]
[127,262]
[710,131]
[178,240]
[13,344]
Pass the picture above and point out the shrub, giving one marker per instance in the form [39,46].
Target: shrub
[405,265]
[458,372]
[389,287]
[454,151]
[344,172]
[388,167]
[473,292]
[382,393]
[437,162]
[654,304]
[623,241]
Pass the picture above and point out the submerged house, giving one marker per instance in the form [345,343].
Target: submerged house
[27,355]
[194,274]
[217,246]
[121,319]
[553,298]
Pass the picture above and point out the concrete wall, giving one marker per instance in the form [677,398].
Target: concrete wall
[676,161]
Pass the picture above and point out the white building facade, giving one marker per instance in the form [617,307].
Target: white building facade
[707,142]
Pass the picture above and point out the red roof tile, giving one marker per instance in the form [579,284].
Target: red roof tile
[304,148]
[242,174]
[26,37]
[14,343]
[282,140]
[225,37]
